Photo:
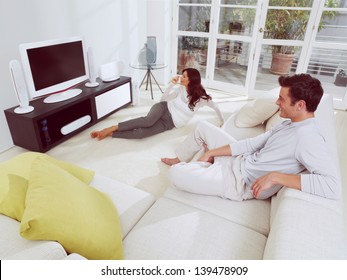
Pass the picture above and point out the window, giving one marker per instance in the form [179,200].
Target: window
[236,44]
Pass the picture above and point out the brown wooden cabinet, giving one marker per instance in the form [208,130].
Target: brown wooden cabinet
[51,124]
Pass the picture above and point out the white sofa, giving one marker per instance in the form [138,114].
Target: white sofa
[290,225]
[180,225]
[131,205]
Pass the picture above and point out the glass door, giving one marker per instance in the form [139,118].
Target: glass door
[191,27]
[217,37]
[233,45]
[327,58]
[243,47]
[285,47]
[282,41]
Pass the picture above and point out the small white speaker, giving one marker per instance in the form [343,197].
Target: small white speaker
[135,93]
[92,72]
[110,71]
[20,88]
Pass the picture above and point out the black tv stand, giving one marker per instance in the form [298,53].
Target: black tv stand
[53,123]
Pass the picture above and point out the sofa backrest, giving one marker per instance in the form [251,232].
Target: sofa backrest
[324,115]
[326,120]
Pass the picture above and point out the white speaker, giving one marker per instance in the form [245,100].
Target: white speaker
[135,93]
[92,72]
[20,88]
[110,71]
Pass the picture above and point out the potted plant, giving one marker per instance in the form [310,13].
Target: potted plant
[288,25]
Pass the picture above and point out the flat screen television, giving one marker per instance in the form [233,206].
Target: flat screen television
[54,68]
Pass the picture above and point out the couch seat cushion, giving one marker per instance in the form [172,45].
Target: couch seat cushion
[173,230]
[131,202]
[305,226]
[253,214]
[14,247]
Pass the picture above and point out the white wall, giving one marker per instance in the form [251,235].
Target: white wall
[116,29]
[159,20]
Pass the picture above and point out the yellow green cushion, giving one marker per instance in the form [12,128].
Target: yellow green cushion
[21,166]
[11,197]
[60,207]
[13,202]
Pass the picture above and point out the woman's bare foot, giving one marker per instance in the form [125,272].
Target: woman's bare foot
[94,134]
[170,161]
[104,133]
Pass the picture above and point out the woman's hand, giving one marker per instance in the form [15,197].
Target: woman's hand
[175,80]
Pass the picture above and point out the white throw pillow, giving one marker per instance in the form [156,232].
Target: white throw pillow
[259,110]
[273,121]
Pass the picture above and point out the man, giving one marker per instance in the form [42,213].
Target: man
[294,154]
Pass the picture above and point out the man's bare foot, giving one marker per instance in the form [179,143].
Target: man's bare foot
[170,161]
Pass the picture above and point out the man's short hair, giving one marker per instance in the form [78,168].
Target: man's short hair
[303,87]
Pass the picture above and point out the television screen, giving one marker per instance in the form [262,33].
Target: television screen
[54,66]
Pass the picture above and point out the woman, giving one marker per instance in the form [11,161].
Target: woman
[175,109]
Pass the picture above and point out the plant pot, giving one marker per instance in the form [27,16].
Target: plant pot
[202,57]
[185,59]
[281,63]
[340,81]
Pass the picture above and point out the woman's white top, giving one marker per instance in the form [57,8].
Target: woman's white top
[177,101]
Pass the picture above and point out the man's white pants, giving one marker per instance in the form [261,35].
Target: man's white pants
[222,178]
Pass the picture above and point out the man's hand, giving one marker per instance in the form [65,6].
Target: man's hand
[263,183]
[266,181]
[206,157]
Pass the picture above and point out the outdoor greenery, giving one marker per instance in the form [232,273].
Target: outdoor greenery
[291,24]
[287,24]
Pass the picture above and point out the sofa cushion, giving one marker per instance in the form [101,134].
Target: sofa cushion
[63,208]
[259,110]
[13,202]
[273,121]
[326,120]
[253,214]
[305,226]
[131,202]
[15,170]
[21,166]
[241,132]
[173,230]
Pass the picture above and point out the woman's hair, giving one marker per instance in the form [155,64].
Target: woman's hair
[195,89]
[303,87]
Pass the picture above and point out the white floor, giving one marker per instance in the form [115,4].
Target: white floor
[137,162]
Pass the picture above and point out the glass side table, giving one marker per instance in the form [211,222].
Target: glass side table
[149,75]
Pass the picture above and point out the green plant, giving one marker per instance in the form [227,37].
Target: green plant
[288,24]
